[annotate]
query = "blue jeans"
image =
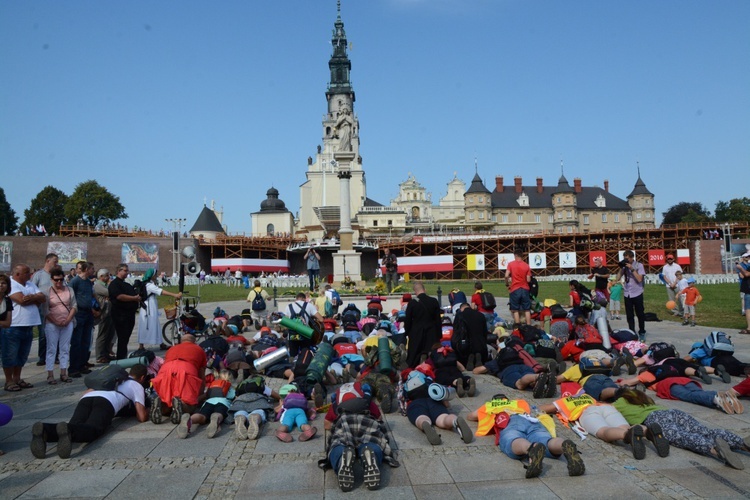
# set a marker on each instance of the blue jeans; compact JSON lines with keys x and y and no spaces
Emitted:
{"x":312,"y":274}
{"x":521,"y":428}
{"x":16,"y":345}
{"x":691,"y":393}
{"x":334,"y":456}
{"x":80,"y":341}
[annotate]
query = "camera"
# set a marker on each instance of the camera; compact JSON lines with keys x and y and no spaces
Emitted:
{"x":623,"y":263}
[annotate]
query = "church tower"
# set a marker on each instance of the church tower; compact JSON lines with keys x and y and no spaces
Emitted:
{"x":320,"y":195}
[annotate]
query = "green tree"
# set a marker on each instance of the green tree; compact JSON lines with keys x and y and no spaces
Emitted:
{"x":94,"y":205}
{"x":686,"y":212}
{"x":8,"y":217}
{"x":47,"y":208}
{"x":736,"y":209}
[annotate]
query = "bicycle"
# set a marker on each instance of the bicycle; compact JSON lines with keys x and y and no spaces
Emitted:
{"x":185,"y":319}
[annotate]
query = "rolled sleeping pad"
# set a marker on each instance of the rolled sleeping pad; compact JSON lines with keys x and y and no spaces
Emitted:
{"x":319,"y":364}
{"x":271,"y":358}
{"x":601,"y":325}
{"x":297,"y":326}
{"x":439,"y":392}
{"x":384,"y":355}
{"x":131,"y":362}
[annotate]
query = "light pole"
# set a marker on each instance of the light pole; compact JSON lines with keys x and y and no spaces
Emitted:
{"x":177,"y":226}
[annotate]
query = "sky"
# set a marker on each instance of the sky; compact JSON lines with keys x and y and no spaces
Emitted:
{"x":173,"y":104}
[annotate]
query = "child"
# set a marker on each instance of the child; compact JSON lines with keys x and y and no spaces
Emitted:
{"x":293,"y":411}
{"x":448,"y":371}
{"x":692,"y":297}
{"x":252,"y":407}
{"x":220,"y":394}
{"x":615,"y":296}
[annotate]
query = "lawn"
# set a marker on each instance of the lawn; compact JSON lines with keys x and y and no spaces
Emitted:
{"x":720,"y":307}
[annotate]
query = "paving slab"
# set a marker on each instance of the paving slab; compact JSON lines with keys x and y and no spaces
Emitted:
{"x":164,"y":483}
{"x":519,"y":488}
{"x":15,"y":484}
{"x":291,"y":479}
{"x":612,"y":485}
{"x":441,"y":491}
{"x":77,"y":484}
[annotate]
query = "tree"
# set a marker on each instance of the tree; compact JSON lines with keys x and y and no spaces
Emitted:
{"x":92,"y":204}
{"x":737,"y":209}
{"x":47,"y":208}
{"x":8,"y":217}
{"x":686,"y":212}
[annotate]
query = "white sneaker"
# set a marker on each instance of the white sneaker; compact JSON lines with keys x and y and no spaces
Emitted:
{"x":240,"y":427}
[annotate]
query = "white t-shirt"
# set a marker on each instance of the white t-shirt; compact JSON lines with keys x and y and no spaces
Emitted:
{"x":669,"y":271}
{"x":296,"y":307}
{"x":27,"y":315}
{"x":130,"y":390}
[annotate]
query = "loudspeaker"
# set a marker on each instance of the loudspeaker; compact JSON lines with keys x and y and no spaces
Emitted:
{"x":188,"y":252}
{"x":175,"y":241}
{"x":192,"y":268}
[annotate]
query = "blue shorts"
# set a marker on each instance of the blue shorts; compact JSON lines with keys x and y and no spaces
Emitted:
{"x":16,"y":345}
{"x":427,"y":407}
{"x":293,"y":416}
{"x":595,"y":384}
{"x":520,"y":300}
{"x":747,"y":301}
{"x":521,"y":428}
{"x":513,"y":374}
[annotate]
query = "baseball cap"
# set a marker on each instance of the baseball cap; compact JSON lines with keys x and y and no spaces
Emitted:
{"x":691,"y":280}
{"x":746,"y":254}
{"x":102,"y":272}
{"x":670,"y":256}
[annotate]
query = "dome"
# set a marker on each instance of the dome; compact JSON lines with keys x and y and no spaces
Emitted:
{"x":272,"y":203}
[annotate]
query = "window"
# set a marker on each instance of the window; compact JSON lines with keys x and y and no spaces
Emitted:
{"x":494,"y":218}
{"x":537,"y":218}
{"x":604,"y":217}
{"x":630,"y":218}
{"x":559,"y":215}
{"x":269,"y":229}
{"x":481,"y":215}
{"x":600,"y":201}
{"x":569,"y":214}
{"x":551,"y":218}
{"x":523,"y":200}
{"x":570,"y":229}
{"x":638,"y":216}
{"x":520,"y":218}
{"x":375,"y":223}
{"x":648,"y":202}
{"x":648,"y":215}
{"x":585,"y":219}
{"x":471,"y":215}
{"x":505,"y":218}
{"x":471,"y":199}
{"x":617,"y":218}
{"x":558,"y":199}
{"x":481,"y":199}
{"x":390,"y":222}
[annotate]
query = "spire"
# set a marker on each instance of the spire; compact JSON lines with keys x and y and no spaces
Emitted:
{"x":640,"y":186}
{"x":476,"y":165}
{"x":563,"y":186}
{"x":339,"y":64}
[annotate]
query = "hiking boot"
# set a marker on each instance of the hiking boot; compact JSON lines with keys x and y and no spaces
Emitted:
{"x":64,"y":441}
{"x":685,"y":323}
{"x":432,"y":436}
{"x":536,"y":457}
{"x":318,"y":395}
{"x":183,"y":429}
{"x":240,"y":427}
{"x":176,"y":416}
{"x":628,"y":358}
{"x":730,"y":458}
{"x":213,"y":425}
{"x":703,"y":374}
{"x":634,"y":437}
{"x":540,"y":386}
{"x":470,"y":363}
{"x":308,"y":434}
{"x":284,"y":436}
{"x":463,"y":430}
{"x":472,"y":387}
{"x":345,"y":474}
{"x":372,"y":471}
{"x":386,"y":404}
{"x":550,"y":388}
{"x":460,"y":391}
{"x":617,"y":365}
{"x":736,"y":405}
{"x":155,"y":411}
{"x":576,"y":466}
{"x":38,"y":440}
{"x":723,"y":403}
{"x":254,"y":422}
{"x":723,"y":373}
{"x":656,"y":436}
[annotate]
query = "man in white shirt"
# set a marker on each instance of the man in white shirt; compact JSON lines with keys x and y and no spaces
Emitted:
{"x":305,"y":311}
{"x":669,"y":271}
{"x":93,"y":416}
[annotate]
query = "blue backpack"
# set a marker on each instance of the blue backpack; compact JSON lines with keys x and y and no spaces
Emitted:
{"x":718,"y":343}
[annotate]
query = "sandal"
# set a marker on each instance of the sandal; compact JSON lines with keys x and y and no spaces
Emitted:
{"x":66,"y":379}
{"x":51,"y":380}
{"x":12,"y":388}
{"x":24,"y":385}
{"x":744,"y":332}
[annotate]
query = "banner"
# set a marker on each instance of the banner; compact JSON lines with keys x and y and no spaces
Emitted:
{"x":429,"y":264}
{"x":475,"y":262}
{"x":568,"y":260}
{"x":656,"y":258}
{"x":140,"y":256}
{"x":683,"y":256}
{"x":621,"y":255}
{"x":68,"y":254}
{"x":598,"y":253}
{"x":6,"y":249}
{"x":538,"y":260}
{"x":251,"y":265}
{"x":503,"y":259}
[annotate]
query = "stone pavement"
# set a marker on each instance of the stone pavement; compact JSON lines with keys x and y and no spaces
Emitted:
{"x":135,"y":460}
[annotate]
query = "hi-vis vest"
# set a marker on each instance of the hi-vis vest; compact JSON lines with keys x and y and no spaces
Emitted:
{"x":570,"y":408}
{"x":486,"y":413}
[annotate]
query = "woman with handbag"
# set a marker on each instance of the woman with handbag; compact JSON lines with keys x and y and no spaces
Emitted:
{"x":59,"y":325}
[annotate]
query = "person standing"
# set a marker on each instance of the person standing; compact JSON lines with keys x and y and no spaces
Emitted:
{"x":634,"y":273}
{"x":43,"y":282}
{"x":600,"y":274}
{"x":16,"y":340}
{"x":80,"y":341}
{"x":476,"y":327}
{"x":148,"y":317}
{"x":312,"y":259}
{"x":743,"y":269}
{"x":422,"y":325}
{"x":258,"y":299}
{"x":669,"y":272}
{"x":106,"y":333}
{"x":125,"y":303}
{"x":517,"y":278}
{"x":390,"y":262}
{"x":58,"y":327}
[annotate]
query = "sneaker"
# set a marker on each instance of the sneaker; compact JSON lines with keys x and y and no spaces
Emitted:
{"x":386,"y":404}
{"x":722,"y":403}
{"x":617,"y":317}
{"x":460,"y":391}
{"x":692,"y":323}
{"x":463,"y":430}
{"x":617,"y":365}
{"x":253,"y":426}
{"x":432,"y":436}
{"x":655,"y":434}
{"x":735,"y":402}
{"x":308,"y":434}
{"x":536,"y":457}
{"x":38,"y":440}
{"x":372,"y":471}
{"x":318,"y":395}
{"x":730,"y":458}
{"x":723,"y":373}
{"x":345,"y":474}
{"x":634,"y":438}
{"x":240,"y":427}
{"x":176,"y":416}
{"x":284,"y":436}
{"x":703,"y":374}
{"x":540,"y":386}
{"x":213,"y":425}
{"x":685,"y":323}
{"x":628,"y":358}
{"x":576,"y":466}
{"x":472,"y":387}
{"x":64,"y":442}
{"x":155,"y":411}
{"x":470,"y":363}
{"x":183,"y":429}
{"x":550,"y":388}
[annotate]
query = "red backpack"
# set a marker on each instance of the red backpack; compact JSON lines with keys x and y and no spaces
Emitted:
{"x":352,"y":397}
{"x":588,"y":334}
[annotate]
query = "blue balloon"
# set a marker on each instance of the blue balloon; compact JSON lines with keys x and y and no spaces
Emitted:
{"x":6,"y":414}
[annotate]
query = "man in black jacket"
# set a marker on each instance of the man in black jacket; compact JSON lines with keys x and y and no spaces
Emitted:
{"x":476,"y":325}
{"x":422,"y":325}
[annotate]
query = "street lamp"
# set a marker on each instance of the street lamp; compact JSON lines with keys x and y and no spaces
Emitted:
{"x":177,"y":226}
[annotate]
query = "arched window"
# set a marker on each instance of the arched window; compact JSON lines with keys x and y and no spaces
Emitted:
{"x":270,"y":229}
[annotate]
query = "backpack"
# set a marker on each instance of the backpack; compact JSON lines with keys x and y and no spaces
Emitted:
{"x":259,"y":303}
{"x":352,"y":397}
{"x":335,"y":298}
{"x":255,"y":384}
{"x":661,"y":351}
{"x":140,"y":289}
{"x":457,"y":297}
{"x":588,"y":334}
{"x":651,"y":317}
{"x":560,"y":330}
{"x":302,"y":362}
{"x":661,"y":372}
{"x":328,"y":309}
{"x":533,"y":287}
{"x":106,"y":378}
{"x":444,"y":357}
{"x":558,"y":311}
{"x":589,"y":366}
{"x":302,"y":314}
{"x":416,"y":385}
{"x":219,"y":388}
{"x":488,"y":301}
{"x":527,"y":333}
{"x":460,"y":339}
{"x":718,"y":343}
